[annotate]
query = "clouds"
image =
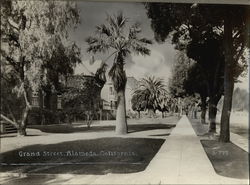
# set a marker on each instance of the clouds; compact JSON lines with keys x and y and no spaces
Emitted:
{"x":86,"y":68}
{"x":136,"y":65}
{"x":94,"y":13}
{"x":153,"y":65}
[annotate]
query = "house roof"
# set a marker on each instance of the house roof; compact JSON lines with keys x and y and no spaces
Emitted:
{"x":90,"y":69}
{"x":77,"y":80}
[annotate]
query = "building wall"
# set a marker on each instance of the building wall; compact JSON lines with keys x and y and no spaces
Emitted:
{"x":132,"y":84}
{"x":108,"y":93}
{"x":46,"y":107}
{"x":128,"y":94}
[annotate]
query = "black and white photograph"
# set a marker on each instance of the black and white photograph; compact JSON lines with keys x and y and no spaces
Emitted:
{"x":124,"y":92}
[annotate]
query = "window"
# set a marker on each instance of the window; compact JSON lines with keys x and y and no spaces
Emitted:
{"x":59,"y":102}
{"x":111,"y":91}
{"x":35,"y":98}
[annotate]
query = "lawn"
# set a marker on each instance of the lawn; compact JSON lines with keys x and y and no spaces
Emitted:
{"x":74,"y":129}
{"x":227,"y":159}
{"x":94,"y":156}
{"x":244,"y":132}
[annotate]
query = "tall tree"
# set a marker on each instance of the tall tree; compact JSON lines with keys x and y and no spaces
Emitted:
{"x":179,"y":74}
{"x":196,"y":82}
{"x":114,"y":36}
{"x":230,"y":21}
{"x":180,"y":70}
{"x":32,"y":32}
{"x":138,"y":104}
{"x":210,"y":71}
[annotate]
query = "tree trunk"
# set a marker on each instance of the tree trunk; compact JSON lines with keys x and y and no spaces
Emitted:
{"x":162,"y":114}
{"x":101,"y":114}
{"x":139,"y":114}
{"x":22,"y":126}
{"x":151,"y":113}
{"x":212,"y":112}
{"x":203,"y":110}
{"x":121,"y":122}
{"x":228,"y":81}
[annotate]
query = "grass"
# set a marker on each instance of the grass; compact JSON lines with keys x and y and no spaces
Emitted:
{"x":244,"y":132}
{"x":138,"y":152}
{"x":227,"y":159}
{"x":72,"y":129}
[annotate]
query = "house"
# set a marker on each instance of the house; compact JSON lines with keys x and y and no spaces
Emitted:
{"x":99,"y":98}
{"x":46,"y":106}
{"x":88,"y":101}
{"x":131,"y":85}
{"x":46,"y":102}
{"x":109,"y":96}
{"x":109,"y":101}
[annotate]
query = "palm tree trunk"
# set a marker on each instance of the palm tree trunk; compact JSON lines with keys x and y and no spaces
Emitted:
{"x":228,"y":81}
{"x":121,"y":122}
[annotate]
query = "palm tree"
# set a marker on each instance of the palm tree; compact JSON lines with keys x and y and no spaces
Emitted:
{"x":151,"y":92}
{"x":164,"y":103}
{"x":113,"y":36}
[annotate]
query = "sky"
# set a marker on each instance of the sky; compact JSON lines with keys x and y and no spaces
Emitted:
{"x":92,"y":14}
{"x":158,"y":64}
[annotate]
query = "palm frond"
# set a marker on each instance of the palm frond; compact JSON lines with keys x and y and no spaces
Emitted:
{"x":134,"y":31}
{"x":97,"y":44}
{"x":117,"y":23}
{"x":151,"y":92}
{"x":121,"y":20}
{"x":104,"y":30}
{"x":140,"y":50}
{"x":111,"y":36}
{"x":145,"y":41}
